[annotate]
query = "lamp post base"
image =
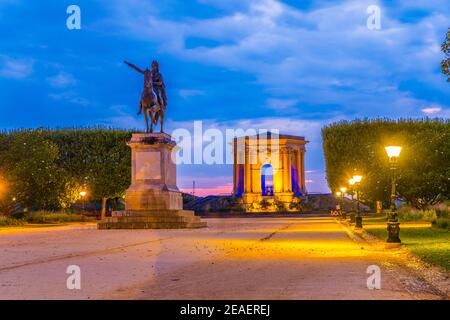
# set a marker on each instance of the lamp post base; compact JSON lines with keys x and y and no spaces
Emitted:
{"x":393,"y":228}
{"x":352,"y":217}
{"x":358,"y":222}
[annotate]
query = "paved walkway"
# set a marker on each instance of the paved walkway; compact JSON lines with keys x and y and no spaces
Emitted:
{"x":236,"y":258}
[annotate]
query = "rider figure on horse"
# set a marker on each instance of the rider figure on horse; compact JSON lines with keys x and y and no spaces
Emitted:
{"x":158,"y":84}
{"x":157,"y":80}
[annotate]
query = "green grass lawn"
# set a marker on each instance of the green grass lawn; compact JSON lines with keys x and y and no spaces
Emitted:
{"x":430,"y":244}
{"x":45,"y":218}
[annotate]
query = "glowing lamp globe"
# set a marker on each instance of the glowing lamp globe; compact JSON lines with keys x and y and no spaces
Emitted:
{"x":351,"y":182}
{"x":338,"y":193}
{"x":357,"y":179}
{"x":83,"y":193}
{"x":343,"y":189}
{"x":393,"y":151}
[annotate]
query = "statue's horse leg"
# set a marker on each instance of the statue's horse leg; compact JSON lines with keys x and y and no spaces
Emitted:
{"x":151,"y":121}
{"x":161,"y":114}
{"x":154,"y":116}
{"x":146,"y":118}
{"x":156,"y":113}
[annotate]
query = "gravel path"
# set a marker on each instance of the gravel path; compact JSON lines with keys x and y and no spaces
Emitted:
{"x":236,"y":258}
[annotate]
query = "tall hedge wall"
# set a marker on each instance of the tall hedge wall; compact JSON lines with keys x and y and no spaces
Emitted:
{"x":423,"y":165}
{"x":46,"y":169}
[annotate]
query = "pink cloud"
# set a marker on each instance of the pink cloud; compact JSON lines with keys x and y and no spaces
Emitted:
{"x":224,"y":189}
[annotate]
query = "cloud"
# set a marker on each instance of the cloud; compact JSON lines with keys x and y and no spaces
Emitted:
{"x":281,"y":104}
{"x":217,"y":185}
{"x":61,"y":80}
{"x":15,"y":68}
{"x":69,"y":96}
{"x":436,"y":111}
{"x":431,"y":110}
{"x":186,"y":93}
{"x":226,"y":189}
{"x":321,"y":56}
{"x":122,"y":117}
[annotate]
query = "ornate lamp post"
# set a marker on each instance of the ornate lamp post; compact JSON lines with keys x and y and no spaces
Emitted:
{"x":338,"y":196}
{"x":358,"y":218}
{"x":343,"y":191}
{"x":83,"y":195}
{"x":393,"y":226}
{"x":351,"y":182}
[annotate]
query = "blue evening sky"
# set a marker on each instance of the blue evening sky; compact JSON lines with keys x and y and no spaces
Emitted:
{"x":290,"y":65}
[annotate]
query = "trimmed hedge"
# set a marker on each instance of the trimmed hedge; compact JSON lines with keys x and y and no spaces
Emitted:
{"x":423,"y":165}
{"x":46,"y":169}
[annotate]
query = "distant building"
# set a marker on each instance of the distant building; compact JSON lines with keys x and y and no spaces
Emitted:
{"x":269,"y":172}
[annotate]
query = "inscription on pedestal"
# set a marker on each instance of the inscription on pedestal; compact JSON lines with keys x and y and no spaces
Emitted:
{"x":148,"y":165}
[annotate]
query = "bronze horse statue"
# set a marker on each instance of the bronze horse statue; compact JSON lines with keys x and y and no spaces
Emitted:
{"x":152,"y":107}
{"x":153,"y":99}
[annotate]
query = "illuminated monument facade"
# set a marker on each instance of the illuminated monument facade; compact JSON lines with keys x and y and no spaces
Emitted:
{"x":269,"y":172}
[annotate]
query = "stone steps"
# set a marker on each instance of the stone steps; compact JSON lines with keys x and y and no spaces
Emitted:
{"x":167,"y":219}
{"x":152,"y":219}
{"x":106,"y":225}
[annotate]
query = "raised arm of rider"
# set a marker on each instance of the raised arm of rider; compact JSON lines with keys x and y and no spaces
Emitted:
{"x":134,"y":67}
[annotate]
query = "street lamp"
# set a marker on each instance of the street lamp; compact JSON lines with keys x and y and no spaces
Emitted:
{"x":339,"y":205}
{"x":393,"y":225}
{"x":358,"y":219}
{"x":343,"y":191}
{"x":351,"y":182}
{"x":338,"y":196}
{"x":83,"y":195}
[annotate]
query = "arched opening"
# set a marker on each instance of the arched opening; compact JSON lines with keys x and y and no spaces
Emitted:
{"x":240,"y":183}
{"x":267,"y":180}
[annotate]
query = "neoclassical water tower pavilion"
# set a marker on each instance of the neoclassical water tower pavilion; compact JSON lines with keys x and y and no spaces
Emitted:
{"x":269,"y":171}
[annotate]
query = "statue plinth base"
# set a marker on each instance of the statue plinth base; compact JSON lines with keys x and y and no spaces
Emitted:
{"x":153,"y":200}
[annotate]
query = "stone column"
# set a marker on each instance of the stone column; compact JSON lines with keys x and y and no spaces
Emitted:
{"x":256,"y":178}
{"x":299,"y":170}
{"x":285,"y":171}
{"x":247,"y":173}
{"x":235,"y":168}
{"x":278,"y":172}
{"x":289,"y":170}
{"x":303,"y":170}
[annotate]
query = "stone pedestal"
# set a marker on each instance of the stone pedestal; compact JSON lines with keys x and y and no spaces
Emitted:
{"x":153,"y":200}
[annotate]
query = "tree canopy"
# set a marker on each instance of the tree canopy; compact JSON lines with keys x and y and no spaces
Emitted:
{"x":46,"y":169}
{"x":423,"y":165}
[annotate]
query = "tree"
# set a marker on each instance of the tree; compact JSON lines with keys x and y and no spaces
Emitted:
{"x":445,"y":63}
{"x":99,"y":159}
{"x":28,"y":165}
{"x":358,"y":146}
{"x":46,"y":169}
